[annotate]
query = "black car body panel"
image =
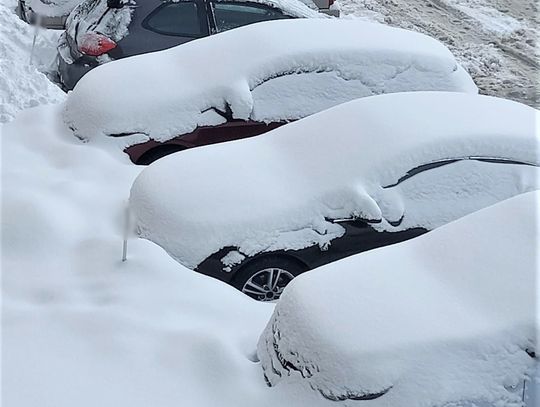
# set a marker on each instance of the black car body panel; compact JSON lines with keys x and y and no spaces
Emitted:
{"x":359,"y":237}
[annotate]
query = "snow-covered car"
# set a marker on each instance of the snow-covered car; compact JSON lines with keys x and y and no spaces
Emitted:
{"x":375,"y":171}
{"x":99,"y":31}
{"x":253,"y":79}
{"x":47,"y":13}
{"x":447,"y":319}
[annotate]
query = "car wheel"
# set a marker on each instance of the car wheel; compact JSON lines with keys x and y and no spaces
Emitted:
{"x":158,"y":152}
{"x":265,"y":279}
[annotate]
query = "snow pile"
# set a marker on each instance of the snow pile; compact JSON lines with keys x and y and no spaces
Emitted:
{"x":22,"y":85}
{"x":444,"y":318}
{"x":325,"y":62}
{"x":81,"y":328}
{"x":278,"y":190}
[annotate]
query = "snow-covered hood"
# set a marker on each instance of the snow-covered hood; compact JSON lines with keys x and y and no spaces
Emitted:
{"x":254,"y":193}
{"x":175,"y":93}
{"x":444,"y":318}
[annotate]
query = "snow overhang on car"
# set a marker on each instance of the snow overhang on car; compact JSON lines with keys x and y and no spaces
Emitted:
{"x":339,"y":59}
{"x":335,"y":165}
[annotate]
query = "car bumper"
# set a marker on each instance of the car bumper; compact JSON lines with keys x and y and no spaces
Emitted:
{"x":69,"y":71}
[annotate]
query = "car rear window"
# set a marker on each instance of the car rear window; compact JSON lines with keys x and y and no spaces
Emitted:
{"x":180,"y":19}
{"x":231,"y":15}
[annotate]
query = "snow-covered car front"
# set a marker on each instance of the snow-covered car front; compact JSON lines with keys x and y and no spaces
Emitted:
{"x":383,"y":165}
{"x":446,"y":319}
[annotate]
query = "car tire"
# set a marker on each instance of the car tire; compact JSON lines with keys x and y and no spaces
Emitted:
{"x":158,"y":152}
{"x":265,"y":278}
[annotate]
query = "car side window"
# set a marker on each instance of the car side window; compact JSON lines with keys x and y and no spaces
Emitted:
{"x":180,"y":19}
{"x":230,"y":15}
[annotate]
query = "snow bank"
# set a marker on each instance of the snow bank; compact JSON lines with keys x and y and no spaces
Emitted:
{"x":277,"y":190}
{"x":249,"y":71}
{"x":81,"y":328}
{"x":443,"y":318}
{"x":22,"y":85}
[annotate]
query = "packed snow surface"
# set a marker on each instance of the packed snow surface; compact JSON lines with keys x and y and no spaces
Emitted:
{"x":443,"y":318}
{"x":80,"y":327}
{"x":496,"y":41}
{"x":276,"y":191}
{"x":250,"y":71}
{"x":22,"y":83}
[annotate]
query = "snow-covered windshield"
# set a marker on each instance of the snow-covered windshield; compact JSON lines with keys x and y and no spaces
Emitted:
{"x":456,"y":305}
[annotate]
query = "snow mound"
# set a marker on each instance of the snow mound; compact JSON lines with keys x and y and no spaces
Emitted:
{"x":22,"y":85}
{"x":278,"y":190}
{"x":444,"y":318}
{"x":249,"y":72}
{"x":82,"y":328}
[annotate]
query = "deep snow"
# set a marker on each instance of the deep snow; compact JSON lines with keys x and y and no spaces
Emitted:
{"x":326,"y":62}
{"x":278,"y":190}
{"x":81,"y":328}
{"x":446,"y":317}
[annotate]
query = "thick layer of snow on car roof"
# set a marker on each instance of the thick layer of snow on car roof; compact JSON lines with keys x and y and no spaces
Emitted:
{"x":446,"y":317}
{"x":324,"y":61}
{"x":277,"y":190}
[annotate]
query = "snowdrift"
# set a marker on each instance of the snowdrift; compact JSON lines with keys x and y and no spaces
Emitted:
{"x":450,"y":316}
{"x":278,"y":190}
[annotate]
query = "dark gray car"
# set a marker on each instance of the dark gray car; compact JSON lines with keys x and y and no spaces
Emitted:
{"x":99,"y":31}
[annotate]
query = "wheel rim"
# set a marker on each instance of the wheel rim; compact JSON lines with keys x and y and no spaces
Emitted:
{"x":267,"y":284}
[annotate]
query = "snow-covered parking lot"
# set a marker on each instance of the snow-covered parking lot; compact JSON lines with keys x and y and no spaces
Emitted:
{"x":92,"y":315}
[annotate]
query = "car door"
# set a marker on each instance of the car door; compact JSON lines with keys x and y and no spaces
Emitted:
{"x":226,"y":15}
{"x":158,"y":25}
{"x":361,"y":235}
{"x":233,"y":129}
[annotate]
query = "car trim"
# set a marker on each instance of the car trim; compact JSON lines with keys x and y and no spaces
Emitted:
{"x":440,"y":163}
